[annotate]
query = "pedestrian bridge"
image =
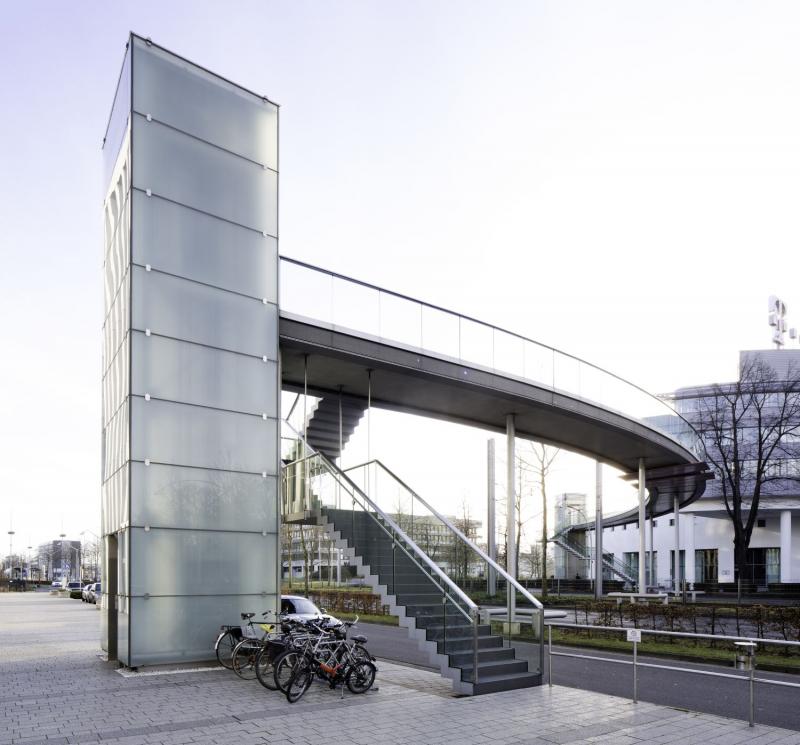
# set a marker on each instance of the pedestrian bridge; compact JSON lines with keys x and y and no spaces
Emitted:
{"x":343,"y":338}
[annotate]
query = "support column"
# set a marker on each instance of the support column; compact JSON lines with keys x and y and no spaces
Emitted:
{"x":511,"y":520}
{"x":642,"y":528}
{"x":676,"y":566}
{"x":598,"y":530}
{"x":786,"y":546}
{"x":690,"y":576}
{"x":651,"y":575}
{"x":491,"y":576}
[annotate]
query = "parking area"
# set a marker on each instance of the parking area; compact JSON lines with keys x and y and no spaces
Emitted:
{"x":54,"y":688}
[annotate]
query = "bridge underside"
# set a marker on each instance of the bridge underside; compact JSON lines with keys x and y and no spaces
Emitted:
{"x":408,"y":381}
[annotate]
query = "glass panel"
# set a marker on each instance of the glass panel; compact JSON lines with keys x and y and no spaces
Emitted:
{"x":116,"y":323}
{"x":593,"y":383}
{"x":355,"y":307}
{"x":114,"y":495}
{"x":186,"y":627}
{"x":440,"y":332}
{"x":180,"y":434}
{"x":169,"y":496}
{"x":202,"y":176}
{"x":400,"y":320}
{"x":115,"y":382}
{"x":194,"y":245}
{"x":190,"y":373}
{"x":538,"y":364}
{"x":123,"y":564}
{"x":118,"y":120}
{"x":180,"y":308}
{"x":566,"y":374}
{"x":123,"y":624}
{"x":509,"y":353}
{"x":202,"y":562}
{"x":476,"y":343}
{"x":196,"y":101}
{"x":115,"y":443}
{"x":118,"y":255}
{"x":306,"y":292}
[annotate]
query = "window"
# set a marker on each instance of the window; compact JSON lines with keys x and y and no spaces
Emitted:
{"x":671,"y":522}
{"x":705,"y":565}
{"x":655,"y":523}
{"x":681,"y":568}
{"x":761,"y":523}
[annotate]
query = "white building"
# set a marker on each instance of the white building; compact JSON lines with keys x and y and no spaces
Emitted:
{"x":705,"y":529}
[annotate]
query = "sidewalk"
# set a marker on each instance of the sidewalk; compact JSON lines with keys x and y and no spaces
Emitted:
{"x":54,"y":689}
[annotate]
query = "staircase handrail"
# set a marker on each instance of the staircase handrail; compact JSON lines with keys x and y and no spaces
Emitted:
{"x":536,"y":603}
{"x":336,"y":471}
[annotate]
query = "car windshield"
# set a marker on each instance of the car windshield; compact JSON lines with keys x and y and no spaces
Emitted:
{"x":301,"y":605}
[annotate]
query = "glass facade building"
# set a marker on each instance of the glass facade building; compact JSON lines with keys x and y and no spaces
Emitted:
{"x":190,"y":419}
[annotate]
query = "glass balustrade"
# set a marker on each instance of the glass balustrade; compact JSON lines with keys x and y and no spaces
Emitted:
{"x":353,"y":306}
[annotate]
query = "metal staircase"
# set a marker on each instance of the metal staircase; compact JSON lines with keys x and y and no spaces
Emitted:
{"x":621,"y":569}
{"x":420,"y":590}
{"x":331,"y":423}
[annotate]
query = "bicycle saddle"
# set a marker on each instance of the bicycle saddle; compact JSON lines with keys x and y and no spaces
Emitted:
{"x":245,"y":616}
{"x":360,"y":638}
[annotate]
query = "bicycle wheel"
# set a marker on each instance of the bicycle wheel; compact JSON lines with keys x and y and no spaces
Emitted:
{"x":265,"y":668}
{"x":300,"y":680}
{"x":244,"y":658}
{"x":225,"y":647}
{"x":360,"y":677}
{"x":284,"y":666}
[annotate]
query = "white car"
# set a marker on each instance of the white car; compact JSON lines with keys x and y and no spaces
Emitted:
{"x":298,"y":608}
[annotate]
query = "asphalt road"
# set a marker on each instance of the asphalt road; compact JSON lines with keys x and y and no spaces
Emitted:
{"x":774,"y":705}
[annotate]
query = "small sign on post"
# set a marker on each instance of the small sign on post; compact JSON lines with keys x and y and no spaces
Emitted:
{"x":634,"y":635}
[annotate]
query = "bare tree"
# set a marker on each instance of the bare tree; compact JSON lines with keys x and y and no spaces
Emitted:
{"x":540,"y":463}
{"x":745,"y":430}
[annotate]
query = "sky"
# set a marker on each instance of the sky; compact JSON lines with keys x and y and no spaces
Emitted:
{"x":618,"y":180}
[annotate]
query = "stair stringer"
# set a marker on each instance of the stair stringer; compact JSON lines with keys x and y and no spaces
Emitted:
{"x":436,"y":658}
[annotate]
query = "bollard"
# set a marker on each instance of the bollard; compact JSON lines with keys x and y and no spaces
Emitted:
{"x":746,"y":660}
{"x":550,"y":655}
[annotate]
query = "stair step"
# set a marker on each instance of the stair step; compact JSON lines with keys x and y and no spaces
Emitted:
{"x":492,"y":669}
{"x":460,"y":659}
{"x":510,"y":682}
{"x":464,"y":644}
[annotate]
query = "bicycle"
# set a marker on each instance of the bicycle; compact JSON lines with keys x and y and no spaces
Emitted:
{"x":230,"y":636}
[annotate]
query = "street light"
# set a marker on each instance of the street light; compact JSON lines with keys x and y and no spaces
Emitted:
{"x":10,"y":555}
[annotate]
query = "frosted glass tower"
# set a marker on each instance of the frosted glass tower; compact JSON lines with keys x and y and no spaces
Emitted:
{"x":190,"y":428}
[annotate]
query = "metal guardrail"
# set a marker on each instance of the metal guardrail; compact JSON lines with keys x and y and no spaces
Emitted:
{"x":747,"y":644}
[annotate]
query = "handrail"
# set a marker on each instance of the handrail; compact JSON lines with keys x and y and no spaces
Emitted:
{"x":337,"y":472}
{"x":536,"y":603}
{"x":362,"y":283}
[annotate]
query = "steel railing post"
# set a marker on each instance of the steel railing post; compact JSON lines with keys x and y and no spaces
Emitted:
{"x":475,"y":620}
{"x":752,"y":689}
{"x":550,"y":655}
{"x":635,"y":677}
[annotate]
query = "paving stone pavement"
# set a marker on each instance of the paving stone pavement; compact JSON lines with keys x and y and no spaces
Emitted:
{"x":55,"y":689}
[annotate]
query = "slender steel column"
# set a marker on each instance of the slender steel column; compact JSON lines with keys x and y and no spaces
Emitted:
{"x":676,"y":567}
{"x":786,"y":546}
{"x":642,"y":528}
{"x":598,"y":530}
{"x":511,"y":520}
{"x":652,"y":573}
{"x":491,"y":576}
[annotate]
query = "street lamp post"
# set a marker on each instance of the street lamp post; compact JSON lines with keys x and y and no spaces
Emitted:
{"x":10,"y":555}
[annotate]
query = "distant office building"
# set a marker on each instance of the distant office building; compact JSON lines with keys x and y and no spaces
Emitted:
{"x":57,"y":560}
{"x":706,"y":532}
